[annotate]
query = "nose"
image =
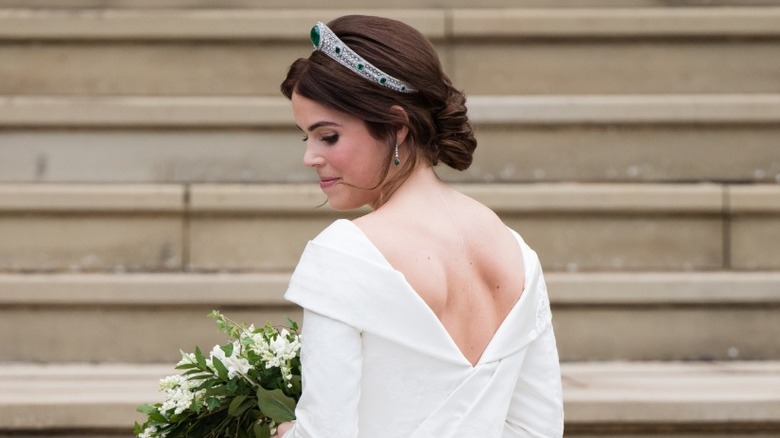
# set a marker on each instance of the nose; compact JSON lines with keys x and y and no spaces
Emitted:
{"x":311,"y":158}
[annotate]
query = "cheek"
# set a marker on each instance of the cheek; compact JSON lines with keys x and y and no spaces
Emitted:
{"x":366,"y":157}
{"x":375,"y":153}
{"x":339,"y":158}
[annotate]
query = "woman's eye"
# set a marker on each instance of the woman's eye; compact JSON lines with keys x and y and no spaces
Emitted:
{"x":330,"y":139}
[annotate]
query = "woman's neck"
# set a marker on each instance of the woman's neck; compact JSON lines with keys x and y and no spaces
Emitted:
{"x":422,"y":185}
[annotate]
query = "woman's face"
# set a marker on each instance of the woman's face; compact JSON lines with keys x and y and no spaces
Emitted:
{"x":340,"y":148}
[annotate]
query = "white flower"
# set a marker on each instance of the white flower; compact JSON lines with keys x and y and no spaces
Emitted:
{"x":278,"y":351}
{"x":150,"y":432}
{"x":179,"y":394}
{"x":257,"y":342}
{"x":249,"y":332}
{"x":235,"y":364}
{"x":187,"y":358}
{"x":284,"y":349}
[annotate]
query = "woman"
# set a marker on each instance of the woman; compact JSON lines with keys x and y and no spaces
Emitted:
{"x":426,"y":317}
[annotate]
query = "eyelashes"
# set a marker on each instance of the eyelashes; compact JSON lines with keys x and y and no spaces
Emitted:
{"x":328,"y":139}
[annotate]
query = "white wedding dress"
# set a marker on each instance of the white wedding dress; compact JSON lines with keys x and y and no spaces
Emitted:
{"x":378,"y":363}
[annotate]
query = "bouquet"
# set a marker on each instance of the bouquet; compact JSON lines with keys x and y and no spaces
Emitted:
{"x":244,"y":388}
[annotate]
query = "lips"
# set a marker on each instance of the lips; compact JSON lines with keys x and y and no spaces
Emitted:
{"x":328,"y":182}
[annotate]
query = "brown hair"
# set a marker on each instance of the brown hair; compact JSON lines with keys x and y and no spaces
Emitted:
{"x":439,"y":129}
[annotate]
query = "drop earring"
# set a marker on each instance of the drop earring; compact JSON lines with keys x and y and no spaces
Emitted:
{"x":396,"y":159}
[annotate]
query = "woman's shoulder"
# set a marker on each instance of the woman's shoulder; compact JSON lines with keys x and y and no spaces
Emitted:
{"x":343,"y":236}
{"x":340,"y":274}
{"x":335,"y":233}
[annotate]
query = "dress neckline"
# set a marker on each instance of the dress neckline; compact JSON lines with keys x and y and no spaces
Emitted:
{"x":527,"y":267}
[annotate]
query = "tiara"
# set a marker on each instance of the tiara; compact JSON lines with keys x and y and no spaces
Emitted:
{"x":328,"y":43}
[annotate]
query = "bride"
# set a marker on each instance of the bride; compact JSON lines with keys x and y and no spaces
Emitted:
{"x":427,"y":317}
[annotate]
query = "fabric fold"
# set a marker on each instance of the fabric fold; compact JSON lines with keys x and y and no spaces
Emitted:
{"x":411,"y":365}
{"x":352,"y":290}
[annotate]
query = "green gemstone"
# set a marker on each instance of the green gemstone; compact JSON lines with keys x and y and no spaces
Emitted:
{"x":397,"y":162}
{"x":360,"y":66}
{"x":315,"y":36}
{"x":337,"y":49}
{"x":383,"y":80}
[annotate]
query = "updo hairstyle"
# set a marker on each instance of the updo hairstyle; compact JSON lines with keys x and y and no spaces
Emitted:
{"x":439,"y":129}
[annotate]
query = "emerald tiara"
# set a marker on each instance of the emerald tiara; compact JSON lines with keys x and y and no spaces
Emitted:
{"x":328,"y":43}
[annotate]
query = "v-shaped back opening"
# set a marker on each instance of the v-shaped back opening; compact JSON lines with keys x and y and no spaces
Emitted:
{"x":381,"y":258}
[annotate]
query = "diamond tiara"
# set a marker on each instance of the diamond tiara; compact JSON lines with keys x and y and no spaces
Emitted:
{"x":328,"y":43}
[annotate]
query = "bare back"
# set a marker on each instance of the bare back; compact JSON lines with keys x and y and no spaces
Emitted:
{"x":458,"y":256}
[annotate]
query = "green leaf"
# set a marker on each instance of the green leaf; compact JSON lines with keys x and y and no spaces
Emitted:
{"x":225,"y":325}
{"x":220,"y":367}
{"x":187,"y":366}
{"x":147,"y":408}
{"x":217,"y":391}
{"x":228,"y":349}
{"x":248,"y":404}
{"x":200,"y":358}
{"x":232,"y":385}
{"x":208,"y":383}
{"x":198,"y":375}
{"x":296,"y":384}
{"x":276,"y":405}
{"x":235,"y":404}
{"x":197,"y":406}
{"x":262,"y":430}
{"x":213,"y":403}
{"x":157,"y":418}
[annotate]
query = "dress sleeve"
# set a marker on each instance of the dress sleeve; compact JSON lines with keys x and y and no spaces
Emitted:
{"x":331,"y":366}
{"x":536,"y":410}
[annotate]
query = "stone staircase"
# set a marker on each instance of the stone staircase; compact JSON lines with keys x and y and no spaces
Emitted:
{"x":150,"y":172}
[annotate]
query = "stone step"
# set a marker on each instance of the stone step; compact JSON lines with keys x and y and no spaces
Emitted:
{"x":485,"y":51}
{"x":435,"y":23}
{"x":371,"y":4}
{"x":669,"y":138}
{"x":148,"y":318}
{"x":263,"y":228}
{"x":641,"y":399}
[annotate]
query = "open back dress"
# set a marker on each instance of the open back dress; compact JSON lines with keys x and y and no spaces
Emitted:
{"x":378,"y":363}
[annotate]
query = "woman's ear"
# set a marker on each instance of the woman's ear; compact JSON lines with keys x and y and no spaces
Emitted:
{"x":403,"y":130}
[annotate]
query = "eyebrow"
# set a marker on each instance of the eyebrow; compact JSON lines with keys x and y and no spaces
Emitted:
{"x":319,"y":125}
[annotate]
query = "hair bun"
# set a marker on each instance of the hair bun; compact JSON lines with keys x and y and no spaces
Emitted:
{"x":455,"y":138}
